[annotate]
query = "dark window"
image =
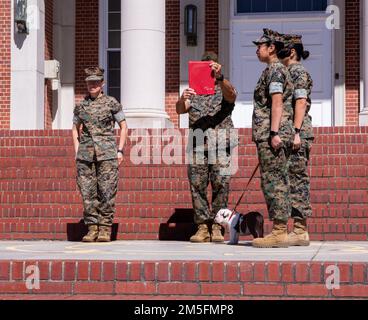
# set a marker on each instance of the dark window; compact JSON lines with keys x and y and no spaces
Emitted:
{"x":113,"y":61}
{"x":259,"y":6}
{"x":114,"y":24}
{"x":114,"y":49}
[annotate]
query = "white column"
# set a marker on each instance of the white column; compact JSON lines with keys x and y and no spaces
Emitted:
{"x":27,"y":70}
{"x":64,"y":52}
{"x":143,"y":63}
{"x":363,"y":116}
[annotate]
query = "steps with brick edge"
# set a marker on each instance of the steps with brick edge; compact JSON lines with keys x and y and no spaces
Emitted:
{"x":166,"y":270}
{"x":39,"y":197}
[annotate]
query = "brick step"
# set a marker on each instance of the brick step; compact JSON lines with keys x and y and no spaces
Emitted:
{"x":140,"y":229}
{"x":166,"y":197}
{"x":51,"y":152}
{"x":66,"y":134}
{"x":147,"y":184}
{"x":320,"y":211}
{"x":166,"y":280}
{"x":173,"y":172}
{"x":244,"y":161}
{"x":171,"y":218}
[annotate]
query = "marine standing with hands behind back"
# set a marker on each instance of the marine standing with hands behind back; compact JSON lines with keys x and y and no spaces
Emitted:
{"x":97,"y":156}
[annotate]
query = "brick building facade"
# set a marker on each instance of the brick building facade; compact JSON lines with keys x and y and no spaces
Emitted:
{"x":90,"y":28}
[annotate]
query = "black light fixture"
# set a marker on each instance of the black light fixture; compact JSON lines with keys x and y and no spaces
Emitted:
{"x":20,"y":16}
{"x":190,"y":24}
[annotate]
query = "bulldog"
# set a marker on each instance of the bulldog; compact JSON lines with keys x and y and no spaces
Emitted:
{"x":238,"y":224}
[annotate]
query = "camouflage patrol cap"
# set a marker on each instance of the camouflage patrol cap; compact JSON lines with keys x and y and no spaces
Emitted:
{"x":291,"y":39}
{"x":269,"y":36}
{"x":94,"y":74}
{"x":210,"y":56}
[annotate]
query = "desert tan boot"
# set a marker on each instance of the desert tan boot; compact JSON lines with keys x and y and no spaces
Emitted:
{"x":278,"y":238}
{"x":299,"y":236}
{"x":202,"y":234}
{"x":104,"y":234}
{"x":92,"y":234}
{"x":216,"y":235}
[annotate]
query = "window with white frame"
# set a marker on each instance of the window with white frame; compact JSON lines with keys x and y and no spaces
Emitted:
{"x":274,"y":6}
{"x":113,"y":49}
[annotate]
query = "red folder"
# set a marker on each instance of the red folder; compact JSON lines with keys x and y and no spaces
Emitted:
{"x":200,"y":77}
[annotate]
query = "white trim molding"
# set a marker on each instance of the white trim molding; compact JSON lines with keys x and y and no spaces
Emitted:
{"x":339,"y":118}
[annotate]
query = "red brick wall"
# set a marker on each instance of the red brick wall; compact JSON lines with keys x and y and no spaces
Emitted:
{"x":5,"y":34}
{"x":184,"y":280}
{"x":87,"y":42}
{"x":172,"y":58}
{"x":352,"y":53}
{"x":49,"y":7}
{"x":212,"y":25}
{"x":39,"y":196}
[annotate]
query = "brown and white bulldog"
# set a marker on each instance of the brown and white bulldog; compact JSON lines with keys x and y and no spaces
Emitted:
{"x":238,"y":224}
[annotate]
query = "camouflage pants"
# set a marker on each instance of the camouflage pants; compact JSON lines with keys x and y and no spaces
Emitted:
{"x":200,"y":175}
{"x":275,"y":180}
{"x":98,"y":184}
{"x":300,"y":182}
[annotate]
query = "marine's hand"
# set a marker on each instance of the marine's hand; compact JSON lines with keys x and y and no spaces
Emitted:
{"x":297,"y":142}
{"x":120,"y":159}
{"x":187,"y":94}
{"x":276,"y":142}
{"x":216,"y":68}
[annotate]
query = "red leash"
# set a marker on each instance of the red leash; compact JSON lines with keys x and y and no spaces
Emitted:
{"x":246,"y":189}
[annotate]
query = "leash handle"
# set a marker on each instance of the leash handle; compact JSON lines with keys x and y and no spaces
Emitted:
{"x":246,"y":188}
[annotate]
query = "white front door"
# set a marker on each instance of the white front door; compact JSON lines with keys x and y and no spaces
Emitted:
{"x":246,"y":69}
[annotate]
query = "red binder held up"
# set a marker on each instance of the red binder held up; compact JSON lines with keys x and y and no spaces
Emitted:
{"x":200,"y":77}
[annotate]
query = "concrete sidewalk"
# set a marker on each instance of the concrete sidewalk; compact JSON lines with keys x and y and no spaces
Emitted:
{"x":180,"y":251}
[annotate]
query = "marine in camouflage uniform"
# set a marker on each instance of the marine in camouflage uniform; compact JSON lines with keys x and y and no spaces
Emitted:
{"x":211,"y":140}
{"x":97,"y":165}
{"x":299,"y":178}
{"x":274,"y":169}
{"x":210,"y":114}
{"x":298,"y":163}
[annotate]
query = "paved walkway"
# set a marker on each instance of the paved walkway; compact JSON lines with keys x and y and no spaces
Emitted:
{"x":180,"y":251}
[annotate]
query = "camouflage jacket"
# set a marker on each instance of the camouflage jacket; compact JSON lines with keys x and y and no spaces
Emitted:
{"x":211,"y":114}
{"x":274,"y":79}
{"x":303,"y":84}
{"x":98,"y":116}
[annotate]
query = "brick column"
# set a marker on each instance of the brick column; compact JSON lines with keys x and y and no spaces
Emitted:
{"x":352,"y":53}
{"x":212,"y":25}
{"x":172,"y":58}
{"x":363,"y":117}
{"x":5,"y":58}
{"x":87,"y":43}
{"x":49,"y":55}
